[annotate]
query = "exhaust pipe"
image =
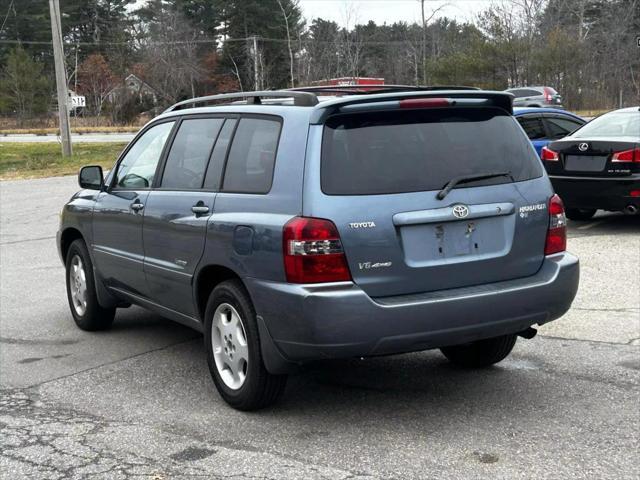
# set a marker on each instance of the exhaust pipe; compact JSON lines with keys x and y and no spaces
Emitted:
{"x":631,"y":209}
{"x":529,"y":333}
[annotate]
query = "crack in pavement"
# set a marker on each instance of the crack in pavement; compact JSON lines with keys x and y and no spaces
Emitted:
{"x":585,"y":340}
{"x":13,"y":242}
{"x":621,"y":309}
{"x":38,"y":440}
{"x":153,"y":350}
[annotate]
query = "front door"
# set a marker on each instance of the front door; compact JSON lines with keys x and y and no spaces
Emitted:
{"x":118,"y":213}
{"x":176,"y":215}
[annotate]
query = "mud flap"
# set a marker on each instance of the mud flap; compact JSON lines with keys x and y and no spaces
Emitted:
{"x":274,"y":361}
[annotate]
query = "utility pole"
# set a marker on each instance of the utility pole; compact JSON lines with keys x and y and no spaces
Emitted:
{"x":424,"y":45}
{"x":61,"y":77}
{"x":255,"y":63}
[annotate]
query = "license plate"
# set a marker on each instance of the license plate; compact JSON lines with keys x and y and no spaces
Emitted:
{"x":584,"y":163}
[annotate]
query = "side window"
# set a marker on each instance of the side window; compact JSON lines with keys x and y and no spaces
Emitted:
{"x":531,"y":93}
{"x":214,"y":172}
{"x":137,"y":168}
{"x":517,"y":92}
{"x":252,"y":156}
{"x":189,"y":154}
{"x":533,"y":127}
{"x":560,"y":127}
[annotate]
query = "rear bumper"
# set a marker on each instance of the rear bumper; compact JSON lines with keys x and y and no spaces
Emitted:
{"x":606,"y":194}
{"x":310,"y":322}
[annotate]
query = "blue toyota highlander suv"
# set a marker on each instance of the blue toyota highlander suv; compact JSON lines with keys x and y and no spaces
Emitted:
{"x":297,"y":225}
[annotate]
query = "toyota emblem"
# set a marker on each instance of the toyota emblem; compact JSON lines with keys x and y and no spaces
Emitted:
{"x":460,"y":211}
{"x":583,"y":147}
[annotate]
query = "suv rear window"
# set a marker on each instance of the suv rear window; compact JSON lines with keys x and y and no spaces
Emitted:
{"x":408,"y":151}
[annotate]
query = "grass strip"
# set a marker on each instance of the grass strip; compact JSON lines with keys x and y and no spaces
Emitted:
{"x":36,"y":160}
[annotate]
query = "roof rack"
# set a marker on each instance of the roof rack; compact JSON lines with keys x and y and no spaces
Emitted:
{"x":373,"y":89}
{"x":300,"y":98}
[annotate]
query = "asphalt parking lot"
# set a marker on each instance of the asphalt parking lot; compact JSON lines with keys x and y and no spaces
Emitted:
{"x":137,"y":401}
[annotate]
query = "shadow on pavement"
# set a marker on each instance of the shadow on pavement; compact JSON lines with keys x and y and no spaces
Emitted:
{"x":606,"y":223}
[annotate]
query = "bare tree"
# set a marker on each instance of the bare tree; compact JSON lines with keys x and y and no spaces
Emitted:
{"x":172,"y":63}
{"x":286,"y":16}
{"x":351,"y":41}
{"x":425,"y":22}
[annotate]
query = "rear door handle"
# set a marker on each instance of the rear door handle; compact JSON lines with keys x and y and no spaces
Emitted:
{"x":200,"y":208}
{"x":137,"y":206}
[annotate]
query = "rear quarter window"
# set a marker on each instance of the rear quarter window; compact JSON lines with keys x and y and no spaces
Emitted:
{"x":532,"y":126}
{"x":252,"y":156}
{"x":421,"y":150}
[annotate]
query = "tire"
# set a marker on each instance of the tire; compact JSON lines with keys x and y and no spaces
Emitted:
{"x":482,"y":353}
{"x":81,"y":291}
{"x":580,"y":213}
{"x":232,"y":343}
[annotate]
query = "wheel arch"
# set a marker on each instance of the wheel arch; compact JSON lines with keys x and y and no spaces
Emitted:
{"x":67,"y":237}
{"x":206,"y":280}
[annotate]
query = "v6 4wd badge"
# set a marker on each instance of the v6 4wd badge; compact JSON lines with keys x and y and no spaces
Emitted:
{"x":370,"y":265}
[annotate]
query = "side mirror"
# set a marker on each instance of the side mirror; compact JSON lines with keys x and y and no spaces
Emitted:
{"x":91,"y":177}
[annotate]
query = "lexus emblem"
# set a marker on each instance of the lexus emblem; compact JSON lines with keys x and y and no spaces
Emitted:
{"x":583,"y":147}
{"x":460,"y":211}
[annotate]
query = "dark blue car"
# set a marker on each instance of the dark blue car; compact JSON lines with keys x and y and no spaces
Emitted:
{"x":544,"y":125}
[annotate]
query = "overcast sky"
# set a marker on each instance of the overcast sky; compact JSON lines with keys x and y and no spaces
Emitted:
{"x":388,"y":11}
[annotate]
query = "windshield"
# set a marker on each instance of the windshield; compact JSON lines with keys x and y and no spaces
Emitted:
{"x":421,"y":150}
{"x":614,"y":124}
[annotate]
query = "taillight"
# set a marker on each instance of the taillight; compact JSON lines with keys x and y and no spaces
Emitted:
{"x":313,"y":252}
{"x":557,"y":232}
{"x":632,"y":155}
{"x":548,"y":155}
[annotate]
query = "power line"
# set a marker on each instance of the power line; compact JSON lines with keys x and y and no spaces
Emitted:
{"x":208,"y":40}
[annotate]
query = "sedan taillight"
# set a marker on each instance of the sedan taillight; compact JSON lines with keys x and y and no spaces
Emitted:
{"x":632,"y":155}
{"x":549,"y":155}
{"x":557,"y":232}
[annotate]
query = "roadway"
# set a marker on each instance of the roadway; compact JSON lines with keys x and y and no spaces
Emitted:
{"x":137,"y":401}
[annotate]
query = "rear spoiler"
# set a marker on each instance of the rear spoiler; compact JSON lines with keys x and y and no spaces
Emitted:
{"x":398,"y":100}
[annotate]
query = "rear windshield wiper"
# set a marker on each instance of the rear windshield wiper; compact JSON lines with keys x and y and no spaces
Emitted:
{"x":469,"y":178}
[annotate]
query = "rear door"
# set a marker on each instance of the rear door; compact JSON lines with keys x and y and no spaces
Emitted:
{"x":176,"y":214}
{"x":533,"y":126}
{"x":559,"y":126}
{"x":378,"y":177}
{"x":532,"y":97}
{"x":519,"y":96}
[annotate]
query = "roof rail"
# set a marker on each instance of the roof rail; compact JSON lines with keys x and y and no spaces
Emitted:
{"x":300,"y":99}
{"x":372,"y":89}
